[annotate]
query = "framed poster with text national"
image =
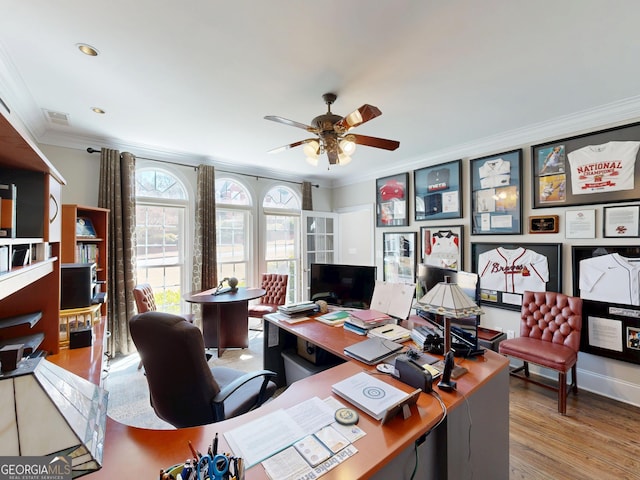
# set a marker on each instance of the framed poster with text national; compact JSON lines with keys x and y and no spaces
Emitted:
{"x":598,"y":167}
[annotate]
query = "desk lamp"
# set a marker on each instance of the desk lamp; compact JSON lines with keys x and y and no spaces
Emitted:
{"x":449,"y":301}
{"x":48,"y":411}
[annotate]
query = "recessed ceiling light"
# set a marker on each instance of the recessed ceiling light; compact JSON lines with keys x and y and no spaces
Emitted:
{"x":87,"y":49}
{"x":98,"y":110}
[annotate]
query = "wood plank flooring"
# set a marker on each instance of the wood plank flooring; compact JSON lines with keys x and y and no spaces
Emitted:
{"x":599,"y":438}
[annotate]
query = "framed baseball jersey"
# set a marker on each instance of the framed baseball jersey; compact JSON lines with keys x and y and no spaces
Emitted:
{"x":506,"y":271}
{"x":437,"y":191}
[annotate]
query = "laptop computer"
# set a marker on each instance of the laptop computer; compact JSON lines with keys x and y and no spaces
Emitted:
{"x":372,"y":350}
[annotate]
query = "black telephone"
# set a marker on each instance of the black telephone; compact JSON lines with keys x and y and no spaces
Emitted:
{"x":446,"y":383}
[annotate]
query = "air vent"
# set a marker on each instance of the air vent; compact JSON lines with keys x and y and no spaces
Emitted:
{"x":58,"y":118}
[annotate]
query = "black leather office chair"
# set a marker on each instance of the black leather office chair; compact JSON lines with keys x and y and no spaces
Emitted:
{"x":184,"y":390}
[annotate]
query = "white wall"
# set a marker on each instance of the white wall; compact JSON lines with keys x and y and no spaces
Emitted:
{"x":612,"y":378}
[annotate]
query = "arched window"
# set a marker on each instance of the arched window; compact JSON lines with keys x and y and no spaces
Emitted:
{"x":281,"y":207}
{"x":161,"y":236}
{"x":233,"y":229}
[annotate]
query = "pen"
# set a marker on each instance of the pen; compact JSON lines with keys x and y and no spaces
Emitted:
{"x":215,"y":444}
{"x":195,"y":454}
{"x":387,"y":331}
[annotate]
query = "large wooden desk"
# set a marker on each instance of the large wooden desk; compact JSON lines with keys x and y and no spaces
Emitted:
{"x":386,"y":452}
{"x":225,"y":321}
{"x":473,"y":441}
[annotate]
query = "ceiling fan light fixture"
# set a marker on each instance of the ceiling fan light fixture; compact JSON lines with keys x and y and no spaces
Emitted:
{"x":348,"y":144}
{"x":343,"y":159}
{"x":312,"y":150}
{"x":312,"y":161}
{"x":353,"y":119}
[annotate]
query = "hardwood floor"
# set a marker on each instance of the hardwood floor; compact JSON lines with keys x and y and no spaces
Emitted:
{"x":599,"y":438}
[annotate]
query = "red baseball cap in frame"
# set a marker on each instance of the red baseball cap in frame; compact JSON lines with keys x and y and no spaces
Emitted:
{"x":392,"y":189}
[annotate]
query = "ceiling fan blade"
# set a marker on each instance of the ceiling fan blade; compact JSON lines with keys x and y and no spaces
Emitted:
{"x":363,"y":114}
{"x":293,"y":123}
{"x":375,"y":142}
{"x":291,"y":145}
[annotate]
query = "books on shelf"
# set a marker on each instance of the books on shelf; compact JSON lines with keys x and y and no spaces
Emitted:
{"x":392,"y":332}
{"x":372,"y":395}
{"x":8,"y":193}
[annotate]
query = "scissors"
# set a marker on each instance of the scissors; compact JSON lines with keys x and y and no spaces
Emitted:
{"x":215,"y":468}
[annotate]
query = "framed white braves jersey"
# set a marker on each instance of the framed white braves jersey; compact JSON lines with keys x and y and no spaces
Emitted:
{"x":506,"y":271}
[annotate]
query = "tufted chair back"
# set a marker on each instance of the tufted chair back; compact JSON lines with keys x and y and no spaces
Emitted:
{"x":276,"y":286}
{"x":143,"y":295}
{"x":550,"y":337}
{"x":552,"y":317}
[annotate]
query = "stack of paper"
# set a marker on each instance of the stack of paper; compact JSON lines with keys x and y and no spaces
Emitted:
{"x":395,"y":333}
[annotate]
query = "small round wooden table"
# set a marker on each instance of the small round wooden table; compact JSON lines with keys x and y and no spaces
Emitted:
{"x":225,"y":319}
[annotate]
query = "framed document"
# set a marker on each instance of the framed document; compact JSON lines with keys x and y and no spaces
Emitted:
{"x":622,"y":222}
{"x":580,"y":224}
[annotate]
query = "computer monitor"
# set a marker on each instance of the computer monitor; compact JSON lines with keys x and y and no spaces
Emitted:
{"x":464,"y":330}
{"x":348,"y":286}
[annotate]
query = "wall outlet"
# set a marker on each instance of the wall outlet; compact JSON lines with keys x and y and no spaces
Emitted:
{"x":511,"y":334}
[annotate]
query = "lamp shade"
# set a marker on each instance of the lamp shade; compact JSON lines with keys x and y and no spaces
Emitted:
{"x":50,"y":411}
{"x":449,"y":300}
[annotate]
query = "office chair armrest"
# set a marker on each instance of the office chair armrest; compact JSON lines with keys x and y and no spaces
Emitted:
{"x":228,"y":390}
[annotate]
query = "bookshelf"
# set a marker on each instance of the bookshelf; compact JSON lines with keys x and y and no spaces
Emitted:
{"x":79,"y":245}
{"x":30,"y":292}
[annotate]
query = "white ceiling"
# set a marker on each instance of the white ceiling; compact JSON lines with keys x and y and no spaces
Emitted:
{"x":192,"y":80}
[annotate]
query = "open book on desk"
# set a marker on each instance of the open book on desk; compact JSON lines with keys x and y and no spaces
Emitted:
{"x":394,"y":299}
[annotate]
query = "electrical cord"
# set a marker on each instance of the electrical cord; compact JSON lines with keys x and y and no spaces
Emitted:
{"x":421,"y":440}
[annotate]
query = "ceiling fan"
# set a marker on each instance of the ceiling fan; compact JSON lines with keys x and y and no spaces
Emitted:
{"x":333,"y":137}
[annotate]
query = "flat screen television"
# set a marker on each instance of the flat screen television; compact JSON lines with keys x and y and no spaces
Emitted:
{"x":463,"y":330}
{"x":348,"y":286}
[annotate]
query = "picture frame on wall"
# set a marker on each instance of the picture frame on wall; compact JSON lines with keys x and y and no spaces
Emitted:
{"x":442,"y":246}
{"x":392,"y":201}
{"x":399,"y":257}
{"x":437,"y":191}
{"x":507,"y":270}
{"x":593,"y":168}
{"x":610,"y":304}
{"x":580,"y":223}
{"x":496,"y":186}
{"x":621,"y":222}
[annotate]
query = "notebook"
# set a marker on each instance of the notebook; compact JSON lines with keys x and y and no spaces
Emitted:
{"x":372,"y":350}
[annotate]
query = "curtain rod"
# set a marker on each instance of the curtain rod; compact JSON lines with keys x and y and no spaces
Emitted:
{"x":93,"y":150}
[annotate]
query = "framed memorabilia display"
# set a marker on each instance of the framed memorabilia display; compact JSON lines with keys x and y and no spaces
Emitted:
{"x":392,"y":201}
{"x":543,"y":224}
{"x":610,"y":300}
{"x":437,"y":191}
{"x":496,"y":183}
{"x":442,"y":246}
{"x":507,"y":270}
{"x":399,"y":257}
{"x":580,"y":223}
{"x":598,"y":167}
{"x":621,"y":222}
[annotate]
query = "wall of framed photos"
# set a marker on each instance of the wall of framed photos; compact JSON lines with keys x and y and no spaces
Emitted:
{"x":555,"y":225}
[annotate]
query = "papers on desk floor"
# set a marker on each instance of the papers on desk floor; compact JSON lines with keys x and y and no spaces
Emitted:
{"x":264,"y":437}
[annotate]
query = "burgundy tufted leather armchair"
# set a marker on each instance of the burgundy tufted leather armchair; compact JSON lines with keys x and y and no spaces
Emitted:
{"x":550,"y":337}
{"x":276,"y":286}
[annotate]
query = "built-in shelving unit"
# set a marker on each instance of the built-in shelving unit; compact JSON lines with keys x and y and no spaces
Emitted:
{"x":76,"y":248}
{"x":34,"y":285}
